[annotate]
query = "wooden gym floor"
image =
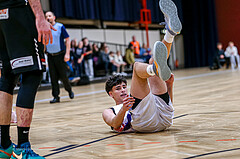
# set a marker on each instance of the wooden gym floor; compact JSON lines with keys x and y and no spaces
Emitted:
{"x":206,"y":123}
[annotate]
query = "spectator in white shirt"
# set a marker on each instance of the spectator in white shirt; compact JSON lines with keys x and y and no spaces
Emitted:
{"x":119,"y":61}
{"x":232,"y":52}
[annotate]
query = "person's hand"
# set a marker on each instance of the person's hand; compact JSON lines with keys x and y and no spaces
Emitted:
{"x":151,"y":61}
{"x":170,"y":81}
{"x":66,"y":57}
{"x":128,"y":103}
{"x":79,"y":60}
{"x":44,"y":31}
{"x":222,"y":56}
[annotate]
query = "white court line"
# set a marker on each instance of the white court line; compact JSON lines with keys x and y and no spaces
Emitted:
{"x":182,"y":153}
{"x":63,"y":97}
{"x":177,"y":79}
{"x":77,"y":95}
{"x":203,"y":75}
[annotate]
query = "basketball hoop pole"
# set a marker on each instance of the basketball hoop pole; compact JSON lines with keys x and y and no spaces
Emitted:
{"x":145,"y":15}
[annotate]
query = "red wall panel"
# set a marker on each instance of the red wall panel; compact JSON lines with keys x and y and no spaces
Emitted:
{"x":228,"y":21}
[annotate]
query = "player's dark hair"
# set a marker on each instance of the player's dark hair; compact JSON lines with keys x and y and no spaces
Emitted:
{"x":84,"y":38}
{"x":113,"y":81}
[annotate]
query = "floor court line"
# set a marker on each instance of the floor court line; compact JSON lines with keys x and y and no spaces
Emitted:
{"x":81,"y":145}
{"x":70,"y":147}
{"x":211,"y":153}
{"x":66,"y":148}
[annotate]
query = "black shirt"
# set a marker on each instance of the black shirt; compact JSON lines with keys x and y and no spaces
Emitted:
{"x":12,"y":3}
{"x":78,"y":52}
{"x":86,"y":49}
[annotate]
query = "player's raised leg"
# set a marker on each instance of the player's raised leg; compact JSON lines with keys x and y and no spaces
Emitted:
{"x":139,"y":86}
{"x":173,"y":26}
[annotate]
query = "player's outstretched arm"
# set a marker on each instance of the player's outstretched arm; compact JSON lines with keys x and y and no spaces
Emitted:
{"x":116,"y":121}
{"x":43,"y":27}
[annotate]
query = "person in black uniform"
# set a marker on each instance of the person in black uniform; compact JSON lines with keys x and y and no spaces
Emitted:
{"x":23,"y":31}
{"x":221,"y":54}
{"x":58,"y":55}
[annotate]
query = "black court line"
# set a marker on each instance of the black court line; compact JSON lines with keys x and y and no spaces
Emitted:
{"x":65,"y":147}
{"x":215,"y":112}
{"x":70,"y":147}
{"x":180,"y":116}
{"x":76,"y":146}
{"x":183,"y":115}
{"x":210,"y":153}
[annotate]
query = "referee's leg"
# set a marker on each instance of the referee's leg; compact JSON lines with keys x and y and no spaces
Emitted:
{"x":62,"y":71}
{"x":53,"y":76}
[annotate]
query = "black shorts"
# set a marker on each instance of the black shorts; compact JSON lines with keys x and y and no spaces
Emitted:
{"x":19,"y":49}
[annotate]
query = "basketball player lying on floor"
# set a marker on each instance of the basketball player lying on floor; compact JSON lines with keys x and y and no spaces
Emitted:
{"x":149,"y":107}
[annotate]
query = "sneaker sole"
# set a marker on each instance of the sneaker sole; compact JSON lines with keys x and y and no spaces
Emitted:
{"x":169,"y":9}
{"x":160,"y":57}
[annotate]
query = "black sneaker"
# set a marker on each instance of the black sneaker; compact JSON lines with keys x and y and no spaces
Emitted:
{"x":71,"y":95}
{"x":55,"y":100}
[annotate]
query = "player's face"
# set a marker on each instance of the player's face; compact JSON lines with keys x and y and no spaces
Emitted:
{"x":85,"y":42}
{"x":80,"y":44}
{"x":50,"y":17}
{"x":219,"y":46}
{"x":106,"y":49}
{"x":119,"y":92}
{"x":134,"y":38}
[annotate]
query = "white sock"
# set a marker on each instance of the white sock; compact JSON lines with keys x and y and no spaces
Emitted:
{"x":150,"y":70}
{"x":168,"y":37}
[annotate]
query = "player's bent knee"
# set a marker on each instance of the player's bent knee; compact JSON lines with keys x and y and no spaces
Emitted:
{"x":135,"y":65}
{"x":28,"y":89}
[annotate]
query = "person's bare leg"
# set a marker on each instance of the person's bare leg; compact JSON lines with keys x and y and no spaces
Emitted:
{"x":5,"y":108}
{"x":157,"y":85}
{"x":139,"y":85}
{"x":118,"y":69}
{"x":173,"y":27}
{"x":168,"y":45}
{"x":122,"y":67}
{"x":24,"y":117}
{"x":5,"y":119}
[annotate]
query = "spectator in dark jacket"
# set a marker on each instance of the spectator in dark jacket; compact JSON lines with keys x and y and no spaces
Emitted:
{"x":78,"y":58}
{"x":103,"y":59}
{"x":88,"y":61}
{"x":221,"y":54}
